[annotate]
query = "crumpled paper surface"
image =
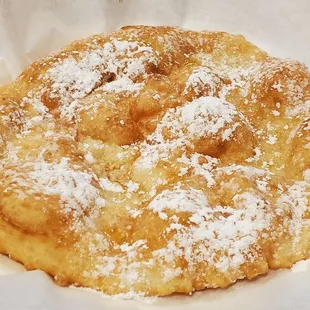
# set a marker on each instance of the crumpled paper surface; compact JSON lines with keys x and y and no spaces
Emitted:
{"x":33,"y":28}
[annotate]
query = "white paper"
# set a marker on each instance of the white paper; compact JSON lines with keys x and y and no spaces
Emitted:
{"x":30,"y":29}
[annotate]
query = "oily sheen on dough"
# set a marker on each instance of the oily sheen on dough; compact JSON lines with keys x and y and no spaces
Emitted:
{"x":156,"y":160}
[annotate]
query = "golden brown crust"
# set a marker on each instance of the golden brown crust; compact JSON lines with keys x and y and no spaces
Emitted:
{"x":156,"y":160}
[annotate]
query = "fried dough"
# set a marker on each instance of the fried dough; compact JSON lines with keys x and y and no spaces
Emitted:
{"x":156,"y":160}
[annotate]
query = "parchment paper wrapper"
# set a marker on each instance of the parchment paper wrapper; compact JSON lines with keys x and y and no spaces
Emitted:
{"x":30,"y":29}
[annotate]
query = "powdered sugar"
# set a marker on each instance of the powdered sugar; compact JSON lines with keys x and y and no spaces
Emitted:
{"x":248,"y":171}
{"x":106,"y":184}
{"x":123,"y":84}
{"x":73,"y":79}
{"x":201,"y":78}
{"x":296,"y":198}
{"x":299,"y":109}
{"x":205,"y":116}
{"x":271,"y":139}
{"x":73,"y":187}
{"x":178,"y":200}
{"x":233,"y":234}
{"x":205,"y":168}
{"x":307,"y":175}
{"x":76,"y":78}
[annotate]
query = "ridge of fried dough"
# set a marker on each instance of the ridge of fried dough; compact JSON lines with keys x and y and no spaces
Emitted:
{"x":156,"y":160}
